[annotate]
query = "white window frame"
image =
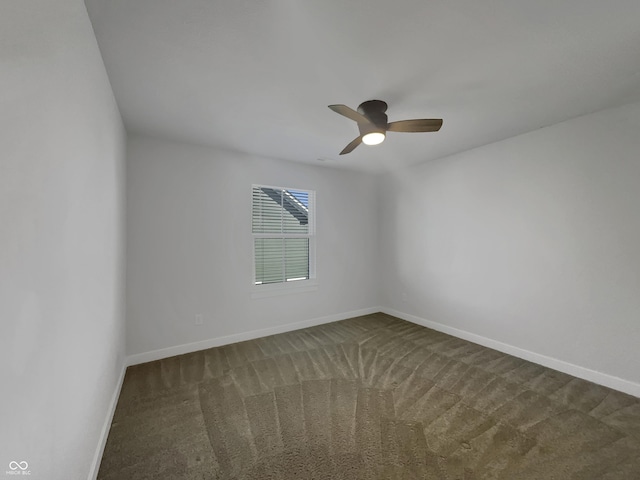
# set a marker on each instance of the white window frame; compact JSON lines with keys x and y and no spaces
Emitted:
{"x":287,"y":287}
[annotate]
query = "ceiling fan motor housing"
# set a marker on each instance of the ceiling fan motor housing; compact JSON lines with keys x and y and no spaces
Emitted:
{"x":374,"y":111}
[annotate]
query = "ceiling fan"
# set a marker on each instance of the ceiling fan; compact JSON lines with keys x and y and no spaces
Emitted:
{"x":373,"y":126}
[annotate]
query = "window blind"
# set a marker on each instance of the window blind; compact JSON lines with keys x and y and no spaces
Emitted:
{"x":283,"y":229}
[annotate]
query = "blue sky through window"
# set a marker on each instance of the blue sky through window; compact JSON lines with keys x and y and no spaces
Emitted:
{"x":302,"y":197}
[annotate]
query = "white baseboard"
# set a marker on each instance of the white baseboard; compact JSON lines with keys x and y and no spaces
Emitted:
{"x":594,"y":376}
{"x":241,"y":337}
{"x":104,"y":434}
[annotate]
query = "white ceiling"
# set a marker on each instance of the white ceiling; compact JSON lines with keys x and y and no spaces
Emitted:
{"x":257,"y":76}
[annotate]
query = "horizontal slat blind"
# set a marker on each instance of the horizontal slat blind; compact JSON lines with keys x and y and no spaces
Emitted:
{"x":282,"y":225}
{"x":297,"y":258}
{"x":269,"y":253}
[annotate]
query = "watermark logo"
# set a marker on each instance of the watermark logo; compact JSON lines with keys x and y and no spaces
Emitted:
{"x":18,"y":468}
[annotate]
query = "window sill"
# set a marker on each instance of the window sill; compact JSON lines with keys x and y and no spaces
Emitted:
{"x":264,"y":291}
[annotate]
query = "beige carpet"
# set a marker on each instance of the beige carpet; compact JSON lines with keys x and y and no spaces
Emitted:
{"x":373,"y":397}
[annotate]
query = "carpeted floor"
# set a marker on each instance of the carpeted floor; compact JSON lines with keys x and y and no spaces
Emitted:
{"x":372,"y":397}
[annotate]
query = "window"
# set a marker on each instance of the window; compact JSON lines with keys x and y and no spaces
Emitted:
{"x":283,"y":227}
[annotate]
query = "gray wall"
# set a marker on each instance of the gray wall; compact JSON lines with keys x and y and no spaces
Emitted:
{"x":531,"y":243}
{"x":61,"y":240}
{"x":189,"y":245}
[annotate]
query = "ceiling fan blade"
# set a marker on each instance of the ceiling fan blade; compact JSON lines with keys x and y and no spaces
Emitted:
{"x":349,"y":148}
{"x":422,"y":125}
{"x":349,"y":113}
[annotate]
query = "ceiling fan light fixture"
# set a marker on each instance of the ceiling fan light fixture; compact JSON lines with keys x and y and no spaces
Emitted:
{"x":373,"y":138}
{"x":373,"y":123}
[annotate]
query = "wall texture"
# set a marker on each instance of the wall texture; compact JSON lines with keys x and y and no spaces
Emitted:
{"x":189,"y":245}
{"x":62,"y":147}
{"x":531,"y":242}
